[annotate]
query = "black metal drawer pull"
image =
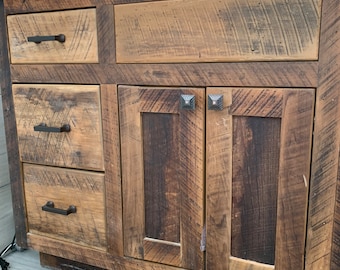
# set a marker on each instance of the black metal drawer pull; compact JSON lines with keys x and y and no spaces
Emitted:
{"x":37,"y":39}
{"x":44,"y":128}
{"x":49,"y":207}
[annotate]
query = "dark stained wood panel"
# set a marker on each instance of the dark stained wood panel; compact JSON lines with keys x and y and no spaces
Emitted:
{"x":105,"y":26}
{"x":256,"y":156}
{"x":217,"y":31}
{"x":161,"y":177}
{"x":266,"y":74}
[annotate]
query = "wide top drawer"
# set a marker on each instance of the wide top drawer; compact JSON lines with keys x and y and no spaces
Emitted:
{"x":53,"y":37}
{"x":59,"y":125}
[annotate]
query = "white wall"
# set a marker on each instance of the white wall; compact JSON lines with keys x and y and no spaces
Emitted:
{"x":6,"y":213}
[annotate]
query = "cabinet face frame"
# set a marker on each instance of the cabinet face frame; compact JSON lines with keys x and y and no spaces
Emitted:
{"x":322,"y":244}
{"x":295,"y":108}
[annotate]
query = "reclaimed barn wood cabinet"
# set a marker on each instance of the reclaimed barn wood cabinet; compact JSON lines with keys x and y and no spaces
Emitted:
{"x":174,"y":134}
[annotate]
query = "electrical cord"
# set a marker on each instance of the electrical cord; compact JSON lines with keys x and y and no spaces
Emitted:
{"x":12,"y":246}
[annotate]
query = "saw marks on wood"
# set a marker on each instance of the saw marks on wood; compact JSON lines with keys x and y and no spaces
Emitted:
{"x":217,"y":30}
{"x":78,"y":26}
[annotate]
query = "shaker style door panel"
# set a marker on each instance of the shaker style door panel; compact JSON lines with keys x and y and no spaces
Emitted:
{"x":258,"y":166}
{"x":162,"y":142}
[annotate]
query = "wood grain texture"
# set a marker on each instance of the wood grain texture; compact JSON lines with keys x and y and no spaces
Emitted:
{"x":182,"y":181}
{"x":65,"y":187}
{"x":4,"y":173}
{"x":78,"y":26}
{"x":91,"y":256}
{"x":257,"y":102}
{"x":265,"y":74}
{"x":219,"y":127}
{"x":26,"y":6}
{"x":239,"y":264}
{"x":297,"y":107}
{"x":55,"y":106}
{"x":323,"y":246}
{"x":256,"y":158}
{"x":161,"y":180}
{"x":53,"y":262}
{"x":19,"y":210}
{"x":294,"y":175}
{"x":105,"y":26}
{"x":217,"y":31}
{"x":113,"y":184}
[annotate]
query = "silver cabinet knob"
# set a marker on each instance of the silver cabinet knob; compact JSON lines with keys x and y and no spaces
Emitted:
{"x":215,"y":102}
{"x":187,"y":102}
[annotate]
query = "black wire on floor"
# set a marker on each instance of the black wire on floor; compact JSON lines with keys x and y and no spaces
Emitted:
{"x":12,"y":246}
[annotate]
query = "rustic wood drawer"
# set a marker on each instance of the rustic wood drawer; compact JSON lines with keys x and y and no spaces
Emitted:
{"x":59,"y":125}
{"x":65,"y":188}
{"x":217,"y":31}
{"x":78,"y":27}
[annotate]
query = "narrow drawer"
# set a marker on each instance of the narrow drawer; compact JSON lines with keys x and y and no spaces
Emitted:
{"x":51,"y":192}
{"x":78,"y":27}
{"x":59,"y":125}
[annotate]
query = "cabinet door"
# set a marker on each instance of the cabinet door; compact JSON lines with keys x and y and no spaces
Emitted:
{"x":163,"y":174}
{"x":258,"y":164}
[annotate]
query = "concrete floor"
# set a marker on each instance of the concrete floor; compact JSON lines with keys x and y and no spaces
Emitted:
{"x":24,"y":260}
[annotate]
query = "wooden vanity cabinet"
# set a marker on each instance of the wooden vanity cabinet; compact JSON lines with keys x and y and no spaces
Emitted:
{"x":173,"y":134}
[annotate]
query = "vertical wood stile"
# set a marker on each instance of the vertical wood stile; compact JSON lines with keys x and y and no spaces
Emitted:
{"x":218,"y":183}
{"x":113,"y":186}
{"x":132,"y":171}
{"x":105,"y":25}
{"x":295,"y":157}
{"x":323,"y":245}
{"x":19,"y":210}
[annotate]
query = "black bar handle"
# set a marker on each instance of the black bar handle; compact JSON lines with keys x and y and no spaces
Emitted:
{"x":44,"y":128}
{"x":37,"y":39}
{"x":49,"y":207}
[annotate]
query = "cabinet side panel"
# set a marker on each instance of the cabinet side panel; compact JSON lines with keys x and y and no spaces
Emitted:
{"x":19,"y":210}
{"x":323,"y":243}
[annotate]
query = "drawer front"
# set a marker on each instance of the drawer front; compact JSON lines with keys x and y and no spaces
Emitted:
{"x":65,"y":188}
{"x":217,"y":31}
{"x":78,"y":27}
{"x":43,"y":112}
